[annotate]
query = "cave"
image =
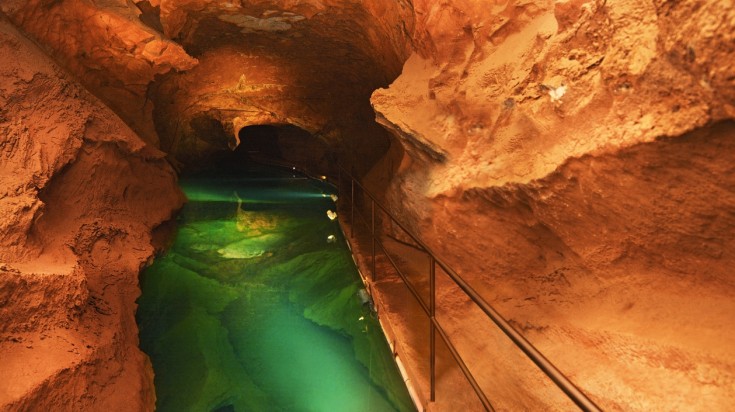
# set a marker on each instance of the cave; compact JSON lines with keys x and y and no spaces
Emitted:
{"x":263,"y":139}
{"x":569,"y":163}
{"x":286,"y":145}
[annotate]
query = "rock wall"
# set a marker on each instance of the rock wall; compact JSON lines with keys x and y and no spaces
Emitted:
{"x":108,"y":48}
{"x":167,"y":67}
{"x":79,"y":194}
{"x":573,"y":161}
{"x":511,"y":91}
{"x":310,"y":64}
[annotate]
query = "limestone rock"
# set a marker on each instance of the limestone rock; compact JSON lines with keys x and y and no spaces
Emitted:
{"x":108,"y":48}
{"x":80,"y":196}
{"x":573,"y":160}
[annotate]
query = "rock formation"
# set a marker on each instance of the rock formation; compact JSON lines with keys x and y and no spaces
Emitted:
{"x":572,"y":159}
{"x":79,"y":195}
{"x":194,"y":74}
{"x":113,"y":53}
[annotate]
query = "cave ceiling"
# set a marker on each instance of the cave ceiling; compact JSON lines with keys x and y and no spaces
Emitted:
{"x":166,"y":67}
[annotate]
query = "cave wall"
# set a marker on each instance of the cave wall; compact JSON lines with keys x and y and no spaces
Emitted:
{"x":81,"y":193}
{"x":163,"y":66}
{"x":107,"y":47}
{"x":309,"y":64}
{"x":517,"y":88}
{"x":572,"y":160}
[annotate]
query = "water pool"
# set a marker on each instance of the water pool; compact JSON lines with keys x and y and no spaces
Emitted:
{"x":254,"y":309}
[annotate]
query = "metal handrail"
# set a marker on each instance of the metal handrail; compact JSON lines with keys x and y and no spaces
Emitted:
{"x":400,"y":273}
{"x":429,"y":311}
{"x":556,"y":376}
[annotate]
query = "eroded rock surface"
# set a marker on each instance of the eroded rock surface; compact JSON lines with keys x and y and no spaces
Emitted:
{"x":80,"y":194}
{"x":574,"y":162}
{"x":572,"y":159}
{"x":169,"y":67}
{"x":310,"y":64}
{"x":108,"y":48}
{"x":509,"y":92}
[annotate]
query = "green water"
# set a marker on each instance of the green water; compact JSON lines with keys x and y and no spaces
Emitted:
{"x":252,"y":309}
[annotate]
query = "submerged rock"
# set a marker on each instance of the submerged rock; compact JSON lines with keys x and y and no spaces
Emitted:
{"x":250,"y":247}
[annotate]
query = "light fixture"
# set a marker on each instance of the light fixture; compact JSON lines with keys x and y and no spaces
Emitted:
{"x":331,"y":215}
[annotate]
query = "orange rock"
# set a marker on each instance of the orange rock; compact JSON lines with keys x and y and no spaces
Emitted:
{"x":571,"y":158}
{"x":81,"y":194}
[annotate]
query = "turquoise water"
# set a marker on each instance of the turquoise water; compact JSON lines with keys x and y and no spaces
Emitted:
{"x":254,"y":309}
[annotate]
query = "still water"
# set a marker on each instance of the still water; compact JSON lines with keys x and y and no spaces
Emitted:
{"x":256,"y":308}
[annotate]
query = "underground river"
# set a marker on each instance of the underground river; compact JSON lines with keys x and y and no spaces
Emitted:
{"x":256,"y":305}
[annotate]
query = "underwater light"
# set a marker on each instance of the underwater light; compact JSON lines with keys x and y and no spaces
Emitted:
{"x":334,"y":197}
{"x":331,"y":239}
{"x":331,"y":215}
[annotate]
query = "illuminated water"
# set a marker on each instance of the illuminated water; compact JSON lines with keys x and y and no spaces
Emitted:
{"x":252,"y":309}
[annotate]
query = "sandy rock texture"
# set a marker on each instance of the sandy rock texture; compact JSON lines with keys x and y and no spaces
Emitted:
{"x":573,"y":160}
{"x":309,"y":64}
{"x":108,"y":47}
{"x":79,"y":196}
{"x":188,"y":76}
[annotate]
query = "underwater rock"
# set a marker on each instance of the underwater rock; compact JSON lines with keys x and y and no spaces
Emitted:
{"x":250,"y":247}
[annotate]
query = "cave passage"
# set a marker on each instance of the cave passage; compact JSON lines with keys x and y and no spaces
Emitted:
{"x":255,"y":307}
{"x":283,"y":143}
{"x":260,"y":140}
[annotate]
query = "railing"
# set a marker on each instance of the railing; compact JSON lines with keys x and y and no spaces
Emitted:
{"x":561,"y":381}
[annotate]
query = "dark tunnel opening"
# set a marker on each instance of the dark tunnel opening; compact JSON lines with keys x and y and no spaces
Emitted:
{"x":280,"y":144}
{"x":284,"y":144}
{"x":261,"y":141}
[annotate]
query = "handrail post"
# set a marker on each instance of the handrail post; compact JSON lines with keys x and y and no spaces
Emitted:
{"x":339,"y":181}
{"x":352,"y":207}
{"x":372,"y":231}
{"x":432,"y":328}
{"x":561,"y":381}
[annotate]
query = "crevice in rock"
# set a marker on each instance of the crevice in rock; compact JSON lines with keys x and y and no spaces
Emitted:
{"x":150,"y":15}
